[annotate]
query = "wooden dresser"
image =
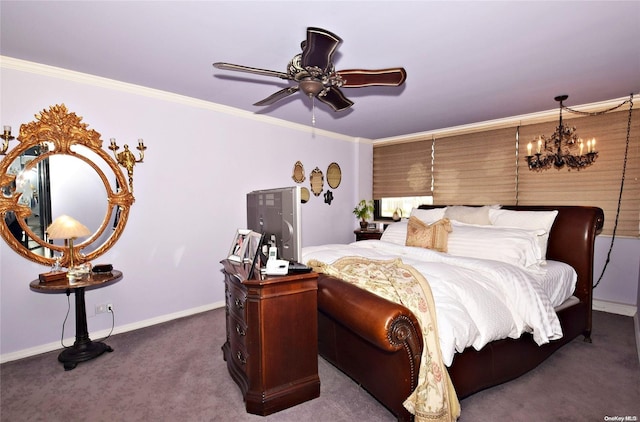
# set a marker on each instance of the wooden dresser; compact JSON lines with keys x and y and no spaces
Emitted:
{"x":272,"y":338}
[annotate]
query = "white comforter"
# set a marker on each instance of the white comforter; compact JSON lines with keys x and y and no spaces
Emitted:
{"x":477,"y":301}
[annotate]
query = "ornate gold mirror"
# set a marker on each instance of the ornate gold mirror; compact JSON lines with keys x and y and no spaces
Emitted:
{"x":59,"y":168}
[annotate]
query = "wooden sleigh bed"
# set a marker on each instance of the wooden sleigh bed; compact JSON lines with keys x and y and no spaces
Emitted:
{"x":378,"y":343}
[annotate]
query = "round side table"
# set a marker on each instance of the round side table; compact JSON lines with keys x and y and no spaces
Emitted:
{"x":83,"y":348}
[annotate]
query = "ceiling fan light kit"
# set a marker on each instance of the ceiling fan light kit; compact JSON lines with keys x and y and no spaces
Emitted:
{"x":314,"y":73}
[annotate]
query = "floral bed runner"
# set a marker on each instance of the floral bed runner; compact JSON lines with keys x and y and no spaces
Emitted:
{"x":434,"y":398}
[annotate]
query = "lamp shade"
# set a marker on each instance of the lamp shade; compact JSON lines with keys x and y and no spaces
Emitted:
{"x":65,"y":227}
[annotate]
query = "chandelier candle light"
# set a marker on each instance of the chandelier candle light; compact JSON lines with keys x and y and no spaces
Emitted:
{"x":557,"y":150}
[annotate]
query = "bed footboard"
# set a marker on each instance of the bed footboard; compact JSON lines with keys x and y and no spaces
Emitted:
{"x":384,"y":355}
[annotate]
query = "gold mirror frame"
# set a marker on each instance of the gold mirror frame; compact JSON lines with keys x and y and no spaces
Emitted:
{"x":56,"y":131}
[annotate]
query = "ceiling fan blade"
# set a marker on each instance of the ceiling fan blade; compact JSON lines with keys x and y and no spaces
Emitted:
{"x":335,"y":99}
{"x":319,"y":48}
{"x":277,"y":96}
{"x":358,"y":78}
{"x":256,"y":71}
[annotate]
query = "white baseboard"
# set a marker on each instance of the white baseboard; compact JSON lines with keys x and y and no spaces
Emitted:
{"x":614,"y":308}
{"x":44,"y":348}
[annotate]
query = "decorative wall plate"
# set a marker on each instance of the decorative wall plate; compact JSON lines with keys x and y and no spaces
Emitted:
{"x":328,"y":197}
{"x":334,"y":175}
{"x":304,"y":195}
{"x":316,"y":180}
{"x":298,"y":172}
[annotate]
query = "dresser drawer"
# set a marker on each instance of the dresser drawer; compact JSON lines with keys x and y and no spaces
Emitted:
{"x":238,"y":331}
{"x":237,"y":301}
{"x":239,"y":352}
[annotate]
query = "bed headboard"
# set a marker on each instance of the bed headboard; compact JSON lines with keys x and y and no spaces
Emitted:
{"x":571,"y":239}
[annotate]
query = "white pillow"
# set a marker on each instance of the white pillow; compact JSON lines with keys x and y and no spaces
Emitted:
{"x":530,"y":220}
{"x":428,"y":216}
{"x":470,"y":215}
{"x":395,"y":233}
{"x":506,"y":244}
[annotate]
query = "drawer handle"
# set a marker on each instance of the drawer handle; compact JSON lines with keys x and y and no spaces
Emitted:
{"x":239,"y":304}
{"x":241,"y":358}
{"x":240,"y":331}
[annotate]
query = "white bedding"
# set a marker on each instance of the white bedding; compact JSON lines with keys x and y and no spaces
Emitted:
{"x":477,"y":300}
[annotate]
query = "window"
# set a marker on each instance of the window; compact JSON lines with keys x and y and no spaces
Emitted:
{"x":385,"y":207}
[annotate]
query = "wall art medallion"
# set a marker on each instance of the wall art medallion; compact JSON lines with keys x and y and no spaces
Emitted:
{"x":334,"y":175}
{"x":316,"y":180}
{"x":298,"y":172}
{"x":304,"y":195}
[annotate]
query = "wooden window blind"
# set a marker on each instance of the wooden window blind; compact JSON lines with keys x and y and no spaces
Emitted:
{"x":402,"y":169}
{"x":475,"y":168}
{"x":479,"y":168}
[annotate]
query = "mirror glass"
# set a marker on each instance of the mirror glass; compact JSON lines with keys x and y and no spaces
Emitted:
{"x":31,"y":181}
{"x":76,"y":190}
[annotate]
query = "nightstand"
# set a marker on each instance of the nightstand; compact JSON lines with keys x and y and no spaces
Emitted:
{"x":367,"y":234}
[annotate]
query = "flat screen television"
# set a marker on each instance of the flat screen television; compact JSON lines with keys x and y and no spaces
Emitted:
{"x":275,"y":213}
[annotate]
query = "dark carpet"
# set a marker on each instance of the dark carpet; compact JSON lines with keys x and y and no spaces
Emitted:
{"x":175,"y":372}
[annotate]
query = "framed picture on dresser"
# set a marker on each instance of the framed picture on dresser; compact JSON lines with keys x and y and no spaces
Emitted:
{"x":254,"y":256}
{"x":239,"y":246}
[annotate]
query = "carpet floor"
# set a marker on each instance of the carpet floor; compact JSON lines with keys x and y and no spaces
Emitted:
{"x":175,"y":372}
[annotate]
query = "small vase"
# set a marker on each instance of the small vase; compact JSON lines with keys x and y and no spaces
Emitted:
{"x":363,"y":225}
{"x":397,"y":214}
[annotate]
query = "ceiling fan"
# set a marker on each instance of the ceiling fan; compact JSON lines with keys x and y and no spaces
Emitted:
{"x":315,"y":74}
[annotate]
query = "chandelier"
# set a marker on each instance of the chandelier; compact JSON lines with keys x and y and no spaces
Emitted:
{"x":562,"y":148}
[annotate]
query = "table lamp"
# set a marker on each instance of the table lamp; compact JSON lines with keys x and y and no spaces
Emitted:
{"x":65,"y":227}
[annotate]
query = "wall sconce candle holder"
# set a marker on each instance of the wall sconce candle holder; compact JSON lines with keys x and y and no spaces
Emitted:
{"x":127,"y":159}
{"x":6,"y":135}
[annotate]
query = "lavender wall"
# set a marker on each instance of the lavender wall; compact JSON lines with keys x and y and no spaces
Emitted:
{"x":190,"y":198}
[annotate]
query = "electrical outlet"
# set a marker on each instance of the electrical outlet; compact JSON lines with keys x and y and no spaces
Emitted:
{"x":104,"y":308}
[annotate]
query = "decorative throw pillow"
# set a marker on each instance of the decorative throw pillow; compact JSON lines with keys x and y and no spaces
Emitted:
{"x":431,"y":236}
{"x":470,"y":215}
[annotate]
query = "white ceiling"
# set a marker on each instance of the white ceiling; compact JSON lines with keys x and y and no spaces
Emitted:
{"x":466,"y":61}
